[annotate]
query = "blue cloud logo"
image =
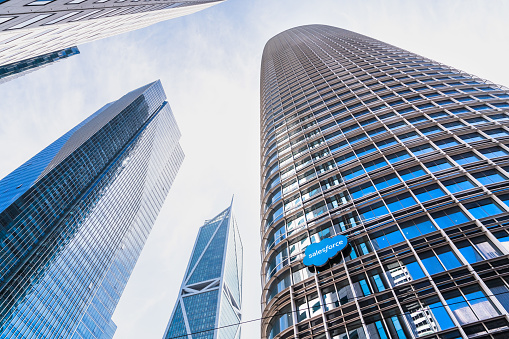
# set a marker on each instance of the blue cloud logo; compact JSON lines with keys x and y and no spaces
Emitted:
{"x":318,"y":254}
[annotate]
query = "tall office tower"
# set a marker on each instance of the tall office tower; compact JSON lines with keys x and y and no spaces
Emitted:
{"x":30,"y":28}
{"x":74,"y":218}
{"x":405,"y":157}
{"x":17,"y":69}
{"x":211,"y":293}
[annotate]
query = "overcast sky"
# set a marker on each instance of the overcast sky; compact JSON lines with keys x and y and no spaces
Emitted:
{"x":209,"y":64}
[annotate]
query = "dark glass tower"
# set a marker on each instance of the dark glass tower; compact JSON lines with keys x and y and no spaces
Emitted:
{"x":405,"y":156}
{"x":74,"y":218}
{"x":17,"y":69}
{"x":211,"y":292}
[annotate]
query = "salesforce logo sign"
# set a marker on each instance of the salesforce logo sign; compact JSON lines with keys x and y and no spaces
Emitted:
{"x":319,"y":253}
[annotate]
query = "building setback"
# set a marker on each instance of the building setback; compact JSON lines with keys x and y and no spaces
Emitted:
{"x":29,"y":28}
{"x":17,"y":69}
{"x":209,"y":305}
{"x":75,"y":217}
{"x":406,"y":157}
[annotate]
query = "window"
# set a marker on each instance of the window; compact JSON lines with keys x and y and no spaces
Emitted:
{"x":444,"y":143}
{"x":439,"y":260}
{"x":427,"y":193}
{"x":471,"y":137}
{"x":345,"y":158}
{"x":477,"y":249}
{"x":386,"y":181}
{"x":39,"y":2}
{"x":361,"y":190}
{"x":385,"y":238}
{"x":412,"y":172}
{"x":499,"y":116}
{"x":30,"y":21}
{"x":454,"y":124}
{"x":438,"y":165}
{"x":431,"y":130}
{"x":417,"y":227}
{"x":480,"y":107}
{"x":489,"y":177}
{"x":395,"y":157}
{"x":474,"y":121}
{"x":386,"y":143}
{"x":374,"y":164}
{"x":469,"y":304}
{"x":402,"y":271}
{"x":449,"y":217}
{"x":465,"y":158}
{"x":458,"y":184}
{"x":373,"y":211}
{"x":352,"y":173}
{"x":483,"y":208}
{"x":5,"y":19}
{"x":497,"y":133}
{"x":421,"y":149}
{"x":438,"y":115}
{"x":400,"y":202}
{"x":407,"y":136}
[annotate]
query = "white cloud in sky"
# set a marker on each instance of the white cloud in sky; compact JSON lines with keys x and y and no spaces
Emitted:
{"x":209,"y":65}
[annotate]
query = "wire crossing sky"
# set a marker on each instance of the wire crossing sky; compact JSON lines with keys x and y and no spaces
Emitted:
{"x":209,"y":66}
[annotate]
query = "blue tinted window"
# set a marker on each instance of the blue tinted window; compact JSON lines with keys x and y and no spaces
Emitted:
{"x":365,"y":150}
{"x":400,"y":201}
{"x":465,"y":158}
{"x":438,"y":165}
{"x":386,"y":143}
{"x":438,"y":115}
{"x":431,"y":130}
{"x":449,"y":217}
{"x":497,"y":133}
{"x":396,"y":125}
{"x":395,"y":157}
{"x":345,"y":158}
{"x":483,"y":208}
{"x":386,"y":181}
{"x":444,"y":143}
{"x":376,"y":131}
{"x":474,"y":121}
{"x":352,"y":173}
{"x":431,"y":262}
{"x":469,"y":252}
{"x":361,"y":190}
{"x":412,"y":172}
{"x":374,"y":164}
{"x":464,"y":99}
{"x":470,"y":137}
{"x":407,"y":136}
{"x":416,"y":227}
{"x":449,"y":260}
{"x":500,"y":116}
{"x":387,"y":237}
{"x":489,"y":177}
{"x":356,"y":138}
{"x":421,"y":149}
{"x":428,"y":193}
{"x":373,"y":211}
{"x":458,"y":184}
{"x":493,"y":152}
{"x":454,"y":124}
{"x":480,"y":107}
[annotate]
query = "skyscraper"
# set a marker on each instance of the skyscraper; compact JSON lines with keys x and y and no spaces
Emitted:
{"x":74,"y":218}
{"x":211,"y":293}
{"x":405,"y":157}
{"x":29,"y":28}
{"x":17,"y":69}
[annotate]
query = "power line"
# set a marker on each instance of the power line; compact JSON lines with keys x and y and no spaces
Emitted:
{"x":279,"y":313}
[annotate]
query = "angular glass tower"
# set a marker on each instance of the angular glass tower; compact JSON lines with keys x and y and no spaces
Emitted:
{"x":17,"y":69}
{"x":211,"y":293}
{"x":74,"y":218}
{"x":30,"y":28}
{"x":406,"y":157}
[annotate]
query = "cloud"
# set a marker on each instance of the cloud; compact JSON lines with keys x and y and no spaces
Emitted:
{"x":318,"y":254}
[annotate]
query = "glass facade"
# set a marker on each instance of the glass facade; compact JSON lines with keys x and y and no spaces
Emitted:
{"x":405,"y":156}
{"x":211,"y":293}
{"x":74,"y":218}
{"x":17,"y":69}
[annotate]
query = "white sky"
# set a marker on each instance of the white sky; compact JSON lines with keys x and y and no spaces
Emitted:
{"x":209,"y":64}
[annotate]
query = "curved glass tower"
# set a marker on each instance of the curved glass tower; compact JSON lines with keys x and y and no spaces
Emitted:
{"x":408,"y":159}
{"x":74,"y":218}
{"x":211,"y":294}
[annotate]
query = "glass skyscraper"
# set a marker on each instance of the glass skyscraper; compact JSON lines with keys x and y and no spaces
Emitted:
{"x":17,"y":69}
{"x":406,"y":157}
{"x":74,"y":218}
{"x":211,"y":293}
{"x":30,"y":28}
